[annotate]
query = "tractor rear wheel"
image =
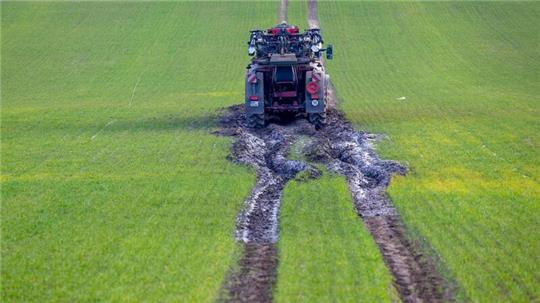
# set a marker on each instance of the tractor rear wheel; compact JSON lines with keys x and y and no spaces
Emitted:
{"x":255,"y":121}
{"x":317,"y":119}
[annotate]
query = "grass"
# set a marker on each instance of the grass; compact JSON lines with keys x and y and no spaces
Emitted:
{"x":326,"y":254}
{"x":112,"y":185}
{"x":467,"y":127}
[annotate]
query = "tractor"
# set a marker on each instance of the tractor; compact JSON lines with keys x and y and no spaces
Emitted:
{"x":286,"y":75}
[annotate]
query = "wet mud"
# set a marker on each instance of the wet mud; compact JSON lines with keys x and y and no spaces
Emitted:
{"x":265,"y":150}
{"x":343,"y":151}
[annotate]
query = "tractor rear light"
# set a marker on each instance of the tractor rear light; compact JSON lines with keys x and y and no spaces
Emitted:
{"x":292,"y":30}
{"x":312,"y":87}
{"x":252,"y":78}
{"x":314,"y":102}
{"x":254,"y":98}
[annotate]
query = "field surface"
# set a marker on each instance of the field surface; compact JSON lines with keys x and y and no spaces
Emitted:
{"x":115,"y":189}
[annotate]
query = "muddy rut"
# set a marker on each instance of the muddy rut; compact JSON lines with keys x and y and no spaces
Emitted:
{"x":342,"y":150}
{"x":257,"y":227}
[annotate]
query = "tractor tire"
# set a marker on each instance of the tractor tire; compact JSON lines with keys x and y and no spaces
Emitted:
{"x":317,"y":119}
{"x":255,"y":121}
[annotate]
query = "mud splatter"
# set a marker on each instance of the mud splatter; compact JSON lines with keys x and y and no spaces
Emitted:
{"x":266,"y":151}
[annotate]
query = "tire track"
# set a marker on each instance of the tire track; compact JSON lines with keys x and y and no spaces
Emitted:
{"x":283,"y":11}
{"x":257,"y":228}
{"x":351,"y":154}
{"x":313,"y":14}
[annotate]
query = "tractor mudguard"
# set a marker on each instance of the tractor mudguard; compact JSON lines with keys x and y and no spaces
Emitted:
{"x":315,"y":105}
{"x":254,"y":100}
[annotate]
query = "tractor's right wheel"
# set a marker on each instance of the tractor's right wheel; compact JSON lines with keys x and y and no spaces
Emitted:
{"x":318,"y":120}
{"x":255,"y":121}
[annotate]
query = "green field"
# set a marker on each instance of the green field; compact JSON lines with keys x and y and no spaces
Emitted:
{"x":114,"y":188}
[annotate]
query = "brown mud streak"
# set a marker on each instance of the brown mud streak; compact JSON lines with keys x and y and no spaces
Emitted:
{"x":415,"y":273}
{"x":256,"y":277}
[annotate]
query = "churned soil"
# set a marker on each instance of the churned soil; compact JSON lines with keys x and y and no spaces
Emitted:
{"x":343,"y":151}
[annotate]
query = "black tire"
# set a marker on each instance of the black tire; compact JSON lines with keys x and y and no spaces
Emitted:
{"x":255,"y":121}
{"x":317,"y":119}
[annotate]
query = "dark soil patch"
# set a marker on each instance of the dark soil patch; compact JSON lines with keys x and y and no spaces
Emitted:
{"x":415,"y":275}
{"x":255,"y":278}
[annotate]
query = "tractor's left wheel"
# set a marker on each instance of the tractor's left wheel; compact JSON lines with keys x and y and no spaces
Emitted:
{"x":255,"y":121}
